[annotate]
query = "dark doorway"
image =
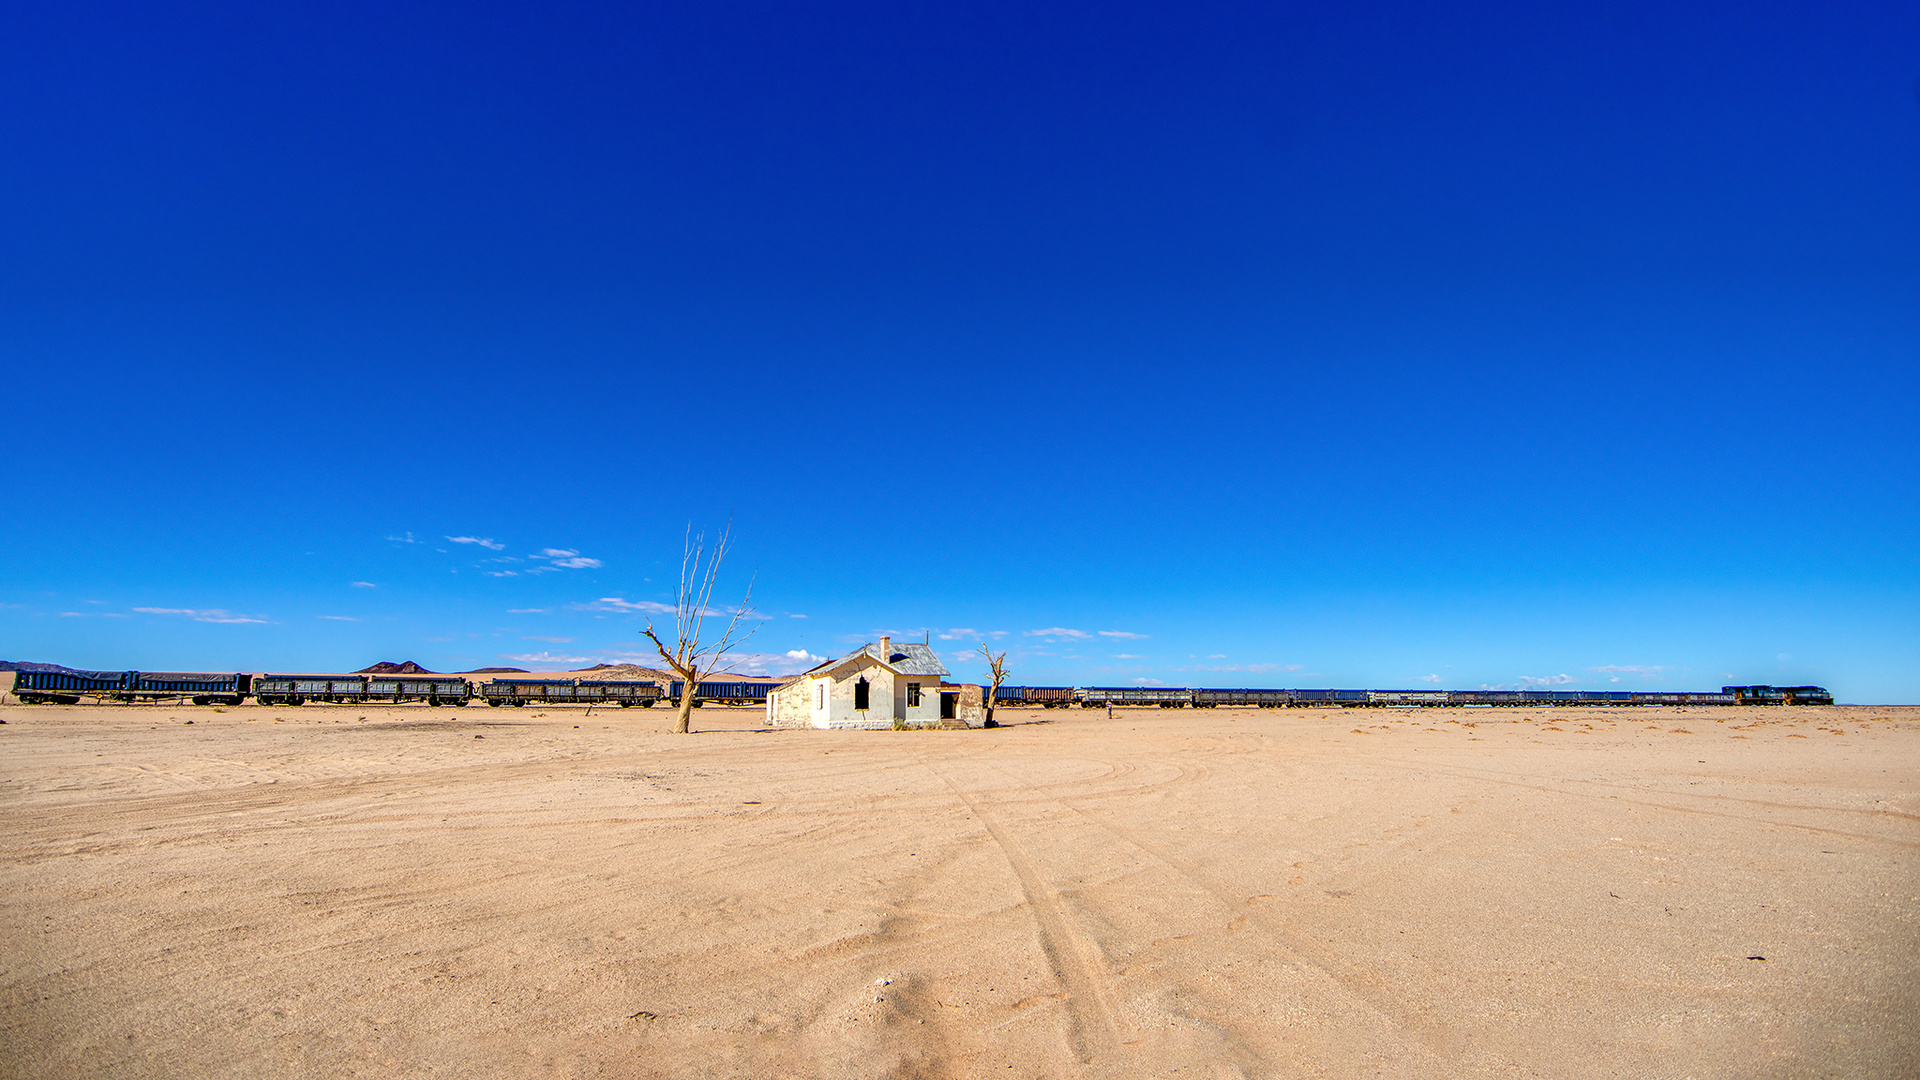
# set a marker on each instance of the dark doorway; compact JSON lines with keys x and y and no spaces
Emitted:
{"x":948,"y":699}
{"x":860,"y":691}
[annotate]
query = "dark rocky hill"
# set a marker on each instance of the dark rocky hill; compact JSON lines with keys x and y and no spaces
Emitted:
{"x":388,"y":667}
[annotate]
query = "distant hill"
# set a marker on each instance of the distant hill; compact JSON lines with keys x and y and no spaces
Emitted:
{"x":636,"y":673}
{"x":28,"y":665}
{"x":496,"y":671}
{"x":388,"y":667}
{"x":622,"y":673}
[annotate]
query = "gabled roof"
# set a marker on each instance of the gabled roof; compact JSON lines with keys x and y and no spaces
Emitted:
{"x":911,"y":658}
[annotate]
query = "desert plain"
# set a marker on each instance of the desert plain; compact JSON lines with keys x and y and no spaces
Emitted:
{"x":414,"y":892}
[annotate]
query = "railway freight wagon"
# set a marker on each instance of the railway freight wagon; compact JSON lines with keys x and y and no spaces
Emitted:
{"x":724,"y":693}
{"x":361,"y":689}
{"x":1264,"y":699}
{"x":1330,"y":698}
{"x":569,"y":692}
{"x":1167,"y":697}
{"x":1033,"y":697}
{"x":68,"y":687}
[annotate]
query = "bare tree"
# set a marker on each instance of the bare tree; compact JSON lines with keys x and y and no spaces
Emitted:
{"x":689,"y":658}
{"x":997,"y":667}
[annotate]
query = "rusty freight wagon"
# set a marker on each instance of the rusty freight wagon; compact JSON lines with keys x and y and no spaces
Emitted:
{"x":1033,"y":697}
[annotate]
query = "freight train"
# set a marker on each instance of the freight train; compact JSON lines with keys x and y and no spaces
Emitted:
{"x":69,"y":687}
{"x":1176,"y":697}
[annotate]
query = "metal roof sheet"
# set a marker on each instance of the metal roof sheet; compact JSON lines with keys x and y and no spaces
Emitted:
{"x":911,"y":658}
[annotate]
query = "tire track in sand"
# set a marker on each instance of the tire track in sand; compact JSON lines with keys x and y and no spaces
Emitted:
{"x":1421,"y":1031}
{"x":1096,"y":1026}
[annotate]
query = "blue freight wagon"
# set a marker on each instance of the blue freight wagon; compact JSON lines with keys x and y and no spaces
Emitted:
{"x":723,"y":693}
{"x":68,"y":687}
{"x":197,"y":687}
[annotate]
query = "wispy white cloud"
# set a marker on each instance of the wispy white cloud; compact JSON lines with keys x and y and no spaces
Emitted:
{"x":615,"y":603}
{"x":1058,"y":632}
{"x":791,"y":615}
{"x":338,"y":618}
{"x":407,"y":539}
{"x":206,"y":615}
{"x":566,"y":559}
{"x":1128,"y":656}
{"x":1126,"y":635}
{"x":363,"y":584}
{"x":792,"y":662}
{"x":490,"y":545}
{"x":962,"y":633}
{"x":1428,"y":678}
{"x":527,"y":610}
{"x":501,"y":573}
{"x":547,"y":658}
{"x":1148,"y":682}
{"x":1649,"y":672}
{"x":1217,"y":656}
{"x":1528,"y":682}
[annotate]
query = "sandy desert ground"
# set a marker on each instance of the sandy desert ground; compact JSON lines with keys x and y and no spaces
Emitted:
{"x":409,"y":892}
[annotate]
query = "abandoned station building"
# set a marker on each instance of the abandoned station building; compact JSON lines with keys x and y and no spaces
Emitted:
{"x":873,"y":687}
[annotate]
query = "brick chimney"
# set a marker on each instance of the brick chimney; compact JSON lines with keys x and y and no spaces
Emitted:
{"x":886,"y":650}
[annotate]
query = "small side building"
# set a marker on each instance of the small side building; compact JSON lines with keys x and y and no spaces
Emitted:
{"x":874,"y":686}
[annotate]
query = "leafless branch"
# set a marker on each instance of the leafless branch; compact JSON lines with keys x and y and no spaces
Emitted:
{"x":688,"y":657}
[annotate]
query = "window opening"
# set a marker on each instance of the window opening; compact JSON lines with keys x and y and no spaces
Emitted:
{"x":860,"y":691}
{"x":913,"y":694}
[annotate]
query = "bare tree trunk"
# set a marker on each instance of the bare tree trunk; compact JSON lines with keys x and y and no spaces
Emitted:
{"x":688,"y":658}
{"x":997,"y":667}
{"x":685,"y":724}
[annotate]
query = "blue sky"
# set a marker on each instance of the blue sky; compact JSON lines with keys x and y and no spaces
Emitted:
{"x":1357,"y":345}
